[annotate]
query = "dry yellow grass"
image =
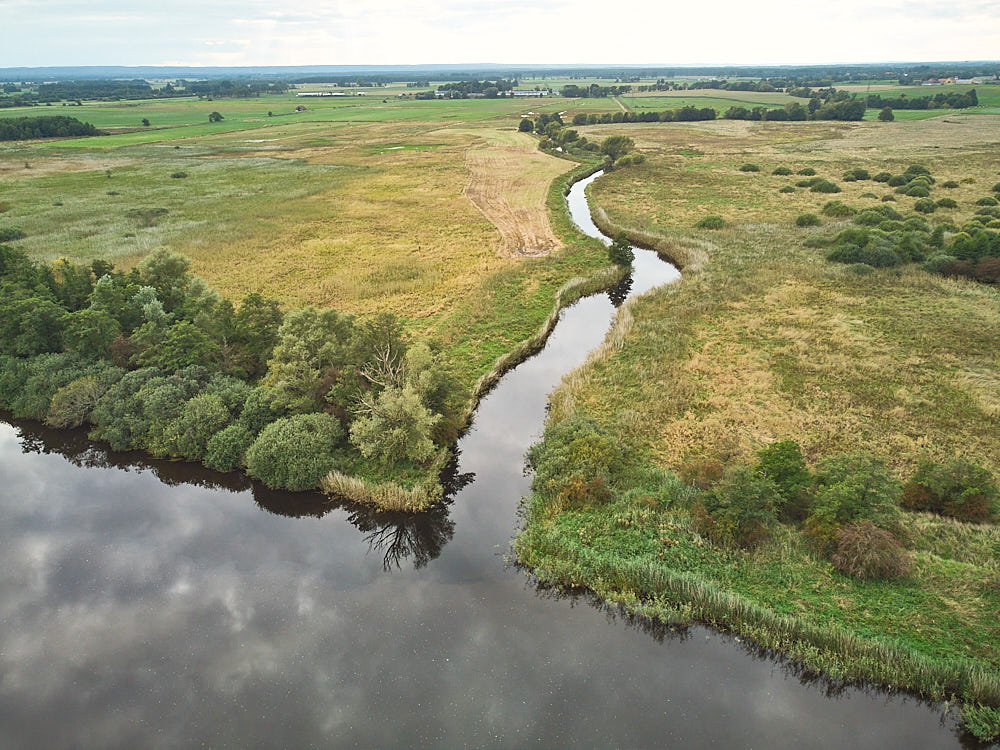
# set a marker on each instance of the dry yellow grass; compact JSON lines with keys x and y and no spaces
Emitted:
{"x":768,"y":340}
{"x":508,"y":181}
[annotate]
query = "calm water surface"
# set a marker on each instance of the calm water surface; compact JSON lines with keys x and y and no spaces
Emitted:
{"x":156,"y":604}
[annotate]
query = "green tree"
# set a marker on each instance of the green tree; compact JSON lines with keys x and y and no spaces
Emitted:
{"x":255,"y":332}
{"x":620,"y":251}
{"x":90,"y":332}
{"x":886,"y":115}
{"x":215,"y":117}
{"x":395,"y":426}
{"x":294,"y":453}
{"x":201,"y":418}
{"x":616,"y":146}
{"x":73,"y":404}
{"x":526,"y":125}
{"x":145,"y":122}
{"x":183,"y":344}
{"x":227,"y":448}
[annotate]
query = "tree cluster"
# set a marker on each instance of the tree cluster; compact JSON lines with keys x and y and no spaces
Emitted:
{"x":28,"y":128}
{"x":942,"y":100}
{"x":593,"y":91}
{"x":155,"y":360}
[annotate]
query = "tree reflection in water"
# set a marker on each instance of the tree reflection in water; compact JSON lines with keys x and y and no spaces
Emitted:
{"x":396,"y":536}
{"x":620,"y":291}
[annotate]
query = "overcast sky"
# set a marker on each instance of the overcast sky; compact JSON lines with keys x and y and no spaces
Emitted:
{"x":338,"y":32}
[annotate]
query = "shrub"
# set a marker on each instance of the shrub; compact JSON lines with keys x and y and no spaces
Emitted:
{"x":782,"y":463}
{"x":988,"y":271}
{"x":987,"y":201}
{"x":996,"y":188}
{"x":888,"y":199}
{"x":897,"y":180}
{"x":200,"y":419}
{"x":918,"y":191}
{"x":787,"y":189}
{"x":179,"y":175}
{"x":807,"y":220}
{"x":782,"y":171}
{"x":527,"y":125}
{"x":73,"y":404}
{"x":806,"y":171}
{"x":936,"y":263}
{"x":863,"y":550}
{"x":916,"y":170}
{"x":838,"y":209}
{"x":947,"y":203}
{"x":882,"y":177}
{"x":711,"y":222}
{"x":869,"y":218}
{"x":737,"y":511}
{"x":851,"y":487}
{"x":294,"y":453}
{"x":576,"y":461}
{"x":227,"y":448}
{"x":824,"y":186}
{"x":925,"y":206}
{"x":955,"y":488}
{"x":857,"y":174}
{"x":949,"y":184}
{"x":10,"y":234}
{"x":749,"y":168}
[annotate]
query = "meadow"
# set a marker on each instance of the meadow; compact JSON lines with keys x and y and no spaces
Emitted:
{"x":417,"y":208}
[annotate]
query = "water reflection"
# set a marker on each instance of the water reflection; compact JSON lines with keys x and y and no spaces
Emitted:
{"x":620,"y":291}
{"x":395,"y":536}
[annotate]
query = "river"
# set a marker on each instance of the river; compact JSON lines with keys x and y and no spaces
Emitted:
{"x":154,"y":604}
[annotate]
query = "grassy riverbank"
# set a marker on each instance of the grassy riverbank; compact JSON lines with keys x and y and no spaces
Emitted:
{"x":765,"y":340}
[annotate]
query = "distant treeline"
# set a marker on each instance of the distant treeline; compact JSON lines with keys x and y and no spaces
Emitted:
{"x":593,"y":91}
{"x":488,"y":88}
{"x":851,"y":109}
{"x":27,"y":128}
{"x":76,"y":91}
{"x":952,"y":100}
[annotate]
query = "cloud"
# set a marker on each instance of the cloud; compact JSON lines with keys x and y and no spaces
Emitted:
{"x":255,"y":32}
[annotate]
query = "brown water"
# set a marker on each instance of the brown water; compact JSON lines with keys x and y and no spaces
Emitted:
{"x":155,"y":604}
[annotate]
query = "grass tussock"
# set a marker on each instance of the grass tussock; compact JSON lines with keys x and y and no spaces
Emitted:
{"x":388,"y":496}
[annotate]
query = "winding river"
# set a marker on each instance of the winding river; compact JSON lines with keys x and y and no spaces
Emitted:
{"x":155,"y":604}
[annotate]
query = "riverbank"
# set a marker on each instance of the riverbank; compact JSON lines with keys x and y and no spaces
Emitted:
{"x":767,"y":342}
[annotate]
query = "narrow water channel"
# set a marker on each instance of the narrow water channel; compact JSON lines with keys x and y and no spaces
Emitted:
{"x":155,"y":604}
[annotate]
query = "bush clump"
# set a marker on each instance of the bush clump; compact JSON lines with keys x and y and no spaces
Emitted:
{"x":806,"y":171}
{"x":576,"y":462}
{"x":294,"y":453}
{"x":178,"y":175}
{"x":783,"y":464}
{"x":749,"y":168}
{"x":857,"y":173}
{"x":863,"y":550}
{"x":838,"y":209}
{"x":781,"y":171}
{"x":824,"y":186}
{"x":918,"y":191}
{"x":987,"y":201}
{"x":947,"y":203}
{"x":227,"y":448}
{"x":882,"y":177}
{"x":787,"y":189}
{"x":949,"y":184}
{"x":738,"y":511}
{"x":711,"y":222}
{"x":955,"y":488}
{"x":925,"y":206}
{"x":11,"y":234}
{"x":897,"y":180}
{"x":851,"y":487}
{"x":807,"y":220}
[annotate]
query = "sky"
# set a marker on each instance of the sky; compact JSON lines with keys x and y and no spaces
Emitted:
{"x":398,"y":32}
